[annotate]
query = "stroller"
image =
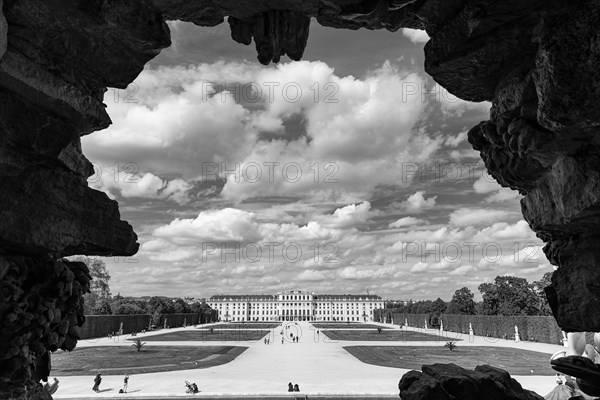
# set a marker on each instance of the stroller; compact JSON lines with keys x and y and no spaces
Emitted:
{"x":191,"y":387}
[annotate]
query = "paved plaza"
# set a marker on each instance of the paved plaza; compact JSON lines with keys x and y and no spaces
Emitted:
{"x":318,"y":365}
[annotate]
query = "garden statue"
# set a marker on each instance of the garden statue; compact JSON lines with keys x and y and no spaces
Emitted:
{"x":517,"y":338}
{"x":470,"y":329}
{"x":426,"y":324}
{"x":441,"y":326}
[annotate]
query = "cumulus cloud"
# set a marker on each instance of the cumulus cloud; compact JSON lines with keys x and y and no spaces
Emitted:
{"x":349,"y":216}
{"x":454,"y":107}
{"x":130,"y":184}
{"x":310,"y":276}
{"x":406,"y":221}
{"x":463,"y":270}
{"x":476,"y":216}
{"x":301,"y":165}
{"x":486,"y":184}
{"x":416,"y":36}
{"x":502,"y":195}
{"x":416,"y":203}
{"x":171,"y":121}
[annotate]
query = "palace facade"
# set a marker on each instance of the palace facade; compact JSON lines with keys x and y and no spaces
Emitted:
{"x":296,"y":305}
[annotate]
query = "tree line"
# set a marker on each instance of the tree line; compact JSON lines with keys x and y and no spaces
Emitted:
{"x":507,"y":295}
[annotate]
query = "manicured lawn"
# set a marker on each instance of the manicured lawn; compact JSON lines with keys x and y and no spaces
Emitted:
{"x":245,"y":325}
{"x":122,"y":359}
{"x":515,"y":361}
{"x":202,"y":335}
{"x":343,"y":325}
{"x":385,"y":336}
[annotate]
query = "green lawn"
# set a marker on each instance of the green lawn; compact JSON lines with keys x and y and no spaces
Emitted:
{"x":385,"y":336}
{"x":119,"y":360}
{"x":245,"y":325}
{"x":203,"y":335}
{"x":343,"y":325}
{"x":515,"y":361}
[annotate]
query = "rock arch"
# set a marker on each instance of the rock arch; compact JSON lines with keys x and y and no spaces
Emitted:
{"x":537,"y":61}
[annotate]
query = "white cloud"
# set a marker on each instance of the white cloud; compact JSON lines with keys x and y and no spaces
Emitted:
{"x":476,"y":216}
{"x":349,"y":216}
{"x":503,"y":194}
{"x":419,"y":267}
{"x":416,"y":203}
{"x":463,"y":270}
{"x":311,"y":276}
{"x":486,"y":184}
{"x":130,"y":184}
{"x":212,"y":226}
{"x":454,"y":107}
{"x":406,"y":221}
{"x":416,"y":35}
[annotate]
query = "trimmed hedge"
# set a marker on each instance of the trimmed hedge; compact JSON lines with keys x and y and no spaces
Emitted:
{"x":531,"y":328}
{"x":542,"y":329}
{"x":96,"y":326}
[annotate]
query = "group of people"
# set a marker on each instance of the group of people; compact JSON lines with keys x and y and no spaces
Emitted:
{"x":293,"y":388}
{"x":191,"y":387}
{"x":98,"y":380}
{"x":267,"y":340}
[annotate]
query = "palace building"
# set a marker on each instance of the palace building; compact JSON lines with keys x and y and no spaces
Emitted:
{"x":296,"y":305}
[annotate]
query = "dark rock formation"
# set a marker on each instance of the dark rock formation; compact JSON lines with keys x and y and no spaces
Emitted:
{"x":41,"y":306}
{"x":451,"y":382}
{"x":3,"y":31}
{"x":56,"y":60}
{"x":276,"y":33}
{"x":542,"y":140}
{"x":535,"y":60}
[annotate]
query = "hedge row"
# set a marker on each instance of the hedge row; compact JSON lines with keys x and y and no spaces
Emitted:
{"x":101,"y":325}
{"x":531,"y":328}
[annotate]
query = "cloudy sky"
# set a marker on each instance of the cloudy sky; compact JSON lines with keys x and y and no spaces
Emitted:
{"x":346,"y":172}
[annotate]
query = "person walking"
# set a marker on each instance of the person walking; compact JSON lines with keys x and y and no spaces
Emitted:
{"x":97,"y":381}
{"x":290,"y":387}
{"x":125,"y":383}
{"x":296,"y":388}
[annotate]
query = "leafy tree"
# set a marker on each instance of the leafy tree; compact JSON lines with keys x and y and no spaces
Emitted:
{"x":538,"y":288}
{"x":126,"y":308}
{"x":489,"y":305}
{"x":462,"y":302}
{"x":180,"y":306}
{"x":509,"y":295}
{"x":102,"y":307}
{"x":99,"y":287}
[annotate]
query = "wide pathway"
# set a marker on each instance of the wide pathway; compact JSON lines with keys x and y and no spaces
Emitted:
{"x":316,"y":364}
